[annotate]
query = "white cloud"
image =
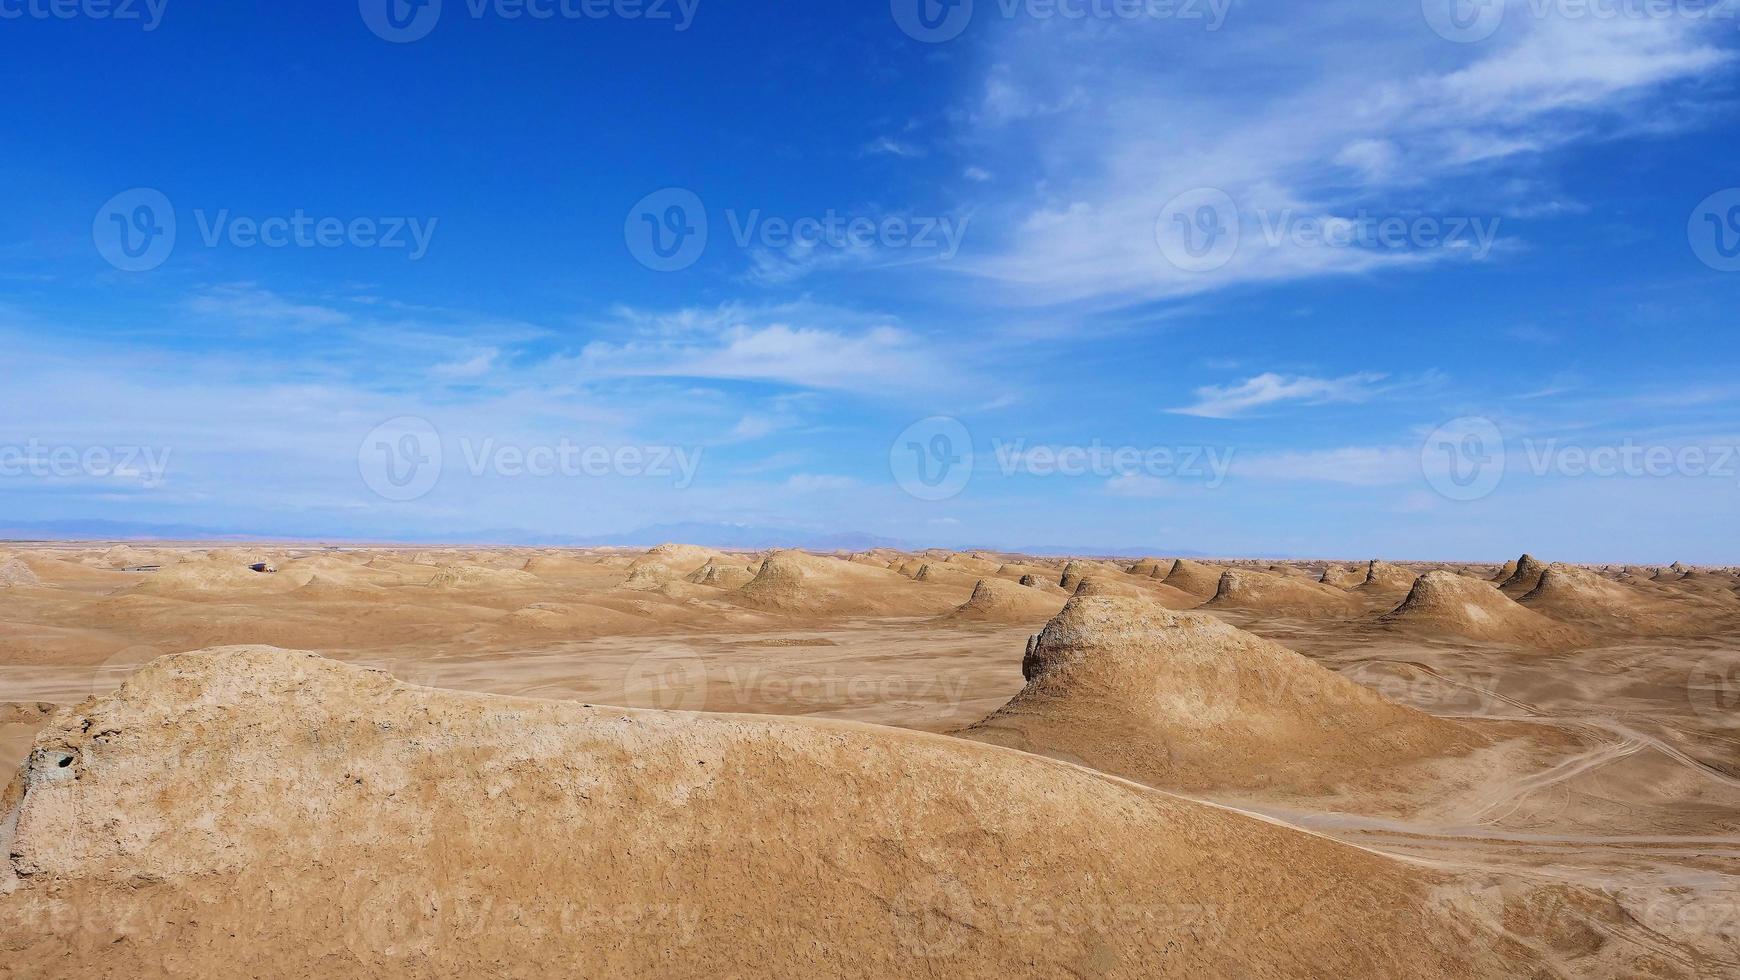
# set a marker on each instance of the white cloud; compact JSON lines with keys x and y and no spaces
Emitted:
{"x":851,"y":352}
{"x":248,"y":305}
{"x":475,"y":366}
{"x":1356,"y":109}
{"x":1229,"y":401}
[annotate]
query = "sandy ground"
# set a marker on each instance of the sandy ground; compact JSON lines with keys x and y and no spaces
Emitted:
{"x":1577,"y":729}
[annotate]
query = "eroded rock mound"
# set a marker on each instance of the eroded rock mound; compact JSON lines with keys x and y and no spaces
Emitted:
{"x":1286,"y":596}
{"x":799,"y":583}
{"x":1524,"y":577}
{"x":1195,"y":578}
{"x":1381,"y":577}
{"x":14,"y":572}
{"x":1445,"y":602}
{"x":721,"y":576}
{"x":1577,"y":595}
{"x":1184,"y":700}
{"x":272,"y":813}
{"x":996,"y":600}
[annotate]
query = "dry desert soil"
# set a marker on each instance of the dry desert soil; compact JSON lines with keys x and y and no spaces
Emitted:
{"x":307,"y":761}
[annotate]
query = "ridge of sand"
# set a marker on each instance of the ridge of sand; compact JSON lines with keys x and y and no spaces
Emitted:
{"x":996,"y":600}
{"x":1445,"y":602}
{"x":1265,"y":593}
{"x":292,"y":816}
{"x":1184,"y":700}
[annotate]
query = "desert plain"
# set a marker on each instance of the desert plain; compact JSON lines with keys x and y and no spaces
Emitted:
{"x":315,"y":761}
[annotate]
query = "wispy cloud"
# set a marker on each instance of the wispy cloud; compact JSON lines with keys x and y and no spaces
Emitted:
{"x":1230,"y":401}
{"x":802,"y":346}
{"x":1354,"y":110}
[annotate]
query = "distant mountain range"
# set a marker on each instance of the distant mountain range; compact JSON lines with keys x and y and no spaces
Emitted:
{"x":737,"y":537}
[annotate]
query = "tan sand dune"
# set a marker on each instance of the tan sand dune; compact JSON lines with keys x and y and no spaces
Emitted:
{"x":1447,"y":604}
{"x":291,"y":816}
{"x":202,"y":579}
{"x":1194,"y":578}
{"x":995,"y":600}
{"x":15,"y":573}
{"x":1575,"y":595}
{"x":721,"y":575}
{"x":322,"y":588}
{"x":1342,"y":577}
{"x":680,"y":558}
{"x":1290,"y":597}
{"x":796,"y":582}
{"x":1383,"y":578}
{"x":1185,"y":701}
{"x":1524,"y":577}
{"x":572,"y":620}
{"x":479,"y":578}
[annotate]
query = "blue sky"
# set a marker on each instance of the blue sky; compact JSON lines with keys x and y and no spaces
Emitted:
{"x":1269,"y":279}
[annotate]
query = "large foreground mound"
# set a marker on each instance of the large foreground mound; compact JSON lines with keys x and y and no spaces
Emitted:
{"x":996,"y":600}
{"x":1269,"y":594}
{"x":1185,"y":700}
{"x":1445,"y":602}
{"x":256,"y":812}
